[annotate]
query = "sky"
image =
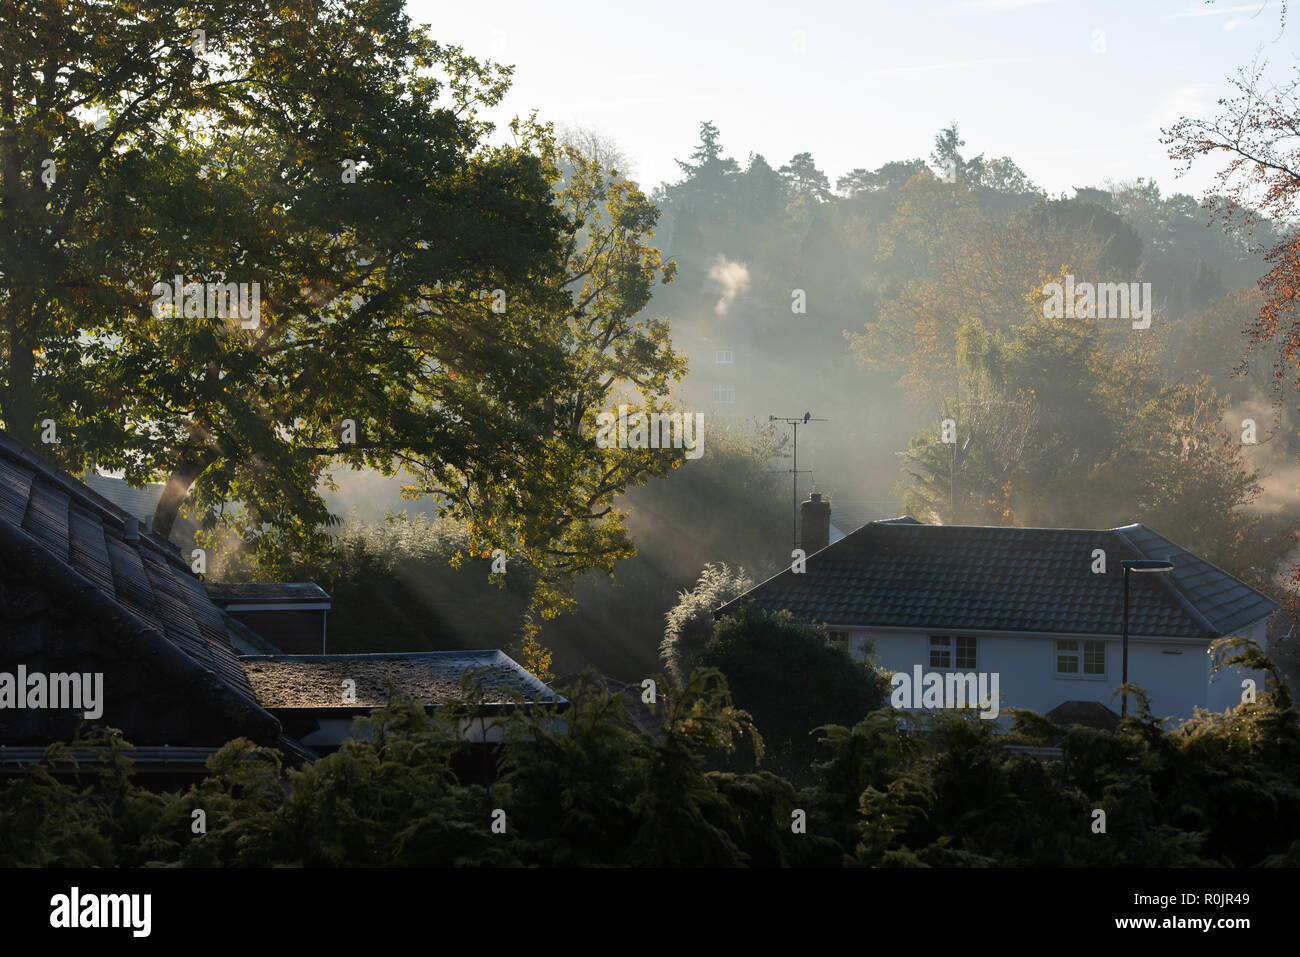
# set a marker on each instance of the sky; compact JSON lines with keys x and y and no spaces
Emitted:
{"x":1075,"y":91}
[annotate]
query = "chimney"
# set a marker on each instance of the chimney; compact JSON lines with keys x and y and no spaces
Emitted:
{"x":131,"y":530}
{"x":815,"y":519}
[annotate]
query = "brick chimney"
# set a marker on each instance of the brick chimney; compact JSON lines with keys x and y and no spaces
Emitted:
{"x":815,"y":522}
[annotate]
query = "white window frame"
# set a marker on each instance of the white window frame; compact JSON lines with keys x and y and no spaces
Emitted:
{"x":940,"y":644}
{"x":1079,"y":653}
{"x":719,"y":354}
{"x":948,"y":645}
{"x":727,"y":391}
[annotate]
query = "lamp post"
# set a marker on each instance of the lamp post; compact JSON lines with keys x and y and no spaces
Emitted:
{"x":1135,"y":565}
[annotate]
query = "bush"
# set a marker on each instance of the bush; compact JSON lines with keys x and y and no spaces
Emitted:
{"x":786,"y":675}
{"x":690,"y":622}
{"x":597,"y":785}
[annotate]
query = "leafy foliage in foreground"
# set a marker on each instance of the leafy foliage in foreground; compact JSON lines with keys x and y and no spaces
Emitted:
{"x":791,"y":680}
{"x":610,"y":782}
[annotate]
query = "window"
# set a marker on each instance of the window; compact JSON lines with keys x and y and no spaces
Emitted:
{"x":724,"y":356}
{"x":838,"y":639}
{"x":724,"y":393}
{"x":1081,"y":657}
{"x":943,"y":647}
{"x":966,"y":653}
{"x":940,"y":651}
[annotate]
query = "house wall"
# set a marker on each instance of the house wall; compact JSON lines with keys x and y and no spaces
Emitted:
{"x":330,"y":733}
{"x":294,"y":631}
{"x":1176,"y":674}
{"x":1225,"y":688}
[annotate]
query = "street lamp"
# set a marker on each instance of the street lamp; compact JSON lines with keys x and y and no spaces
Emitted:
{"x":1135,"y":565}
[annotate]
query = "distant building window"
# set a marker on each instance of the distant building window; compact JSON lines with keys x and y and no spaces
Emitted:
{"x":940,"y":651}
{"x":948,"y":652}
{"x":1081,"y":657}
{"x":724,"y":357}
{"x":839,"y":639}
{"x":724,"y":393}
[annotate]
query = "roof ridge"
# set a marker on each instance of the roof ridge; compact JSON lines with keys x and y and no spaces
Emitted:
{"x":916,"y":523}
{"x":1170,"y":584}
{"x":1183,"y":601}
{"x":387,"y":654}
{"x":1219,"y":568}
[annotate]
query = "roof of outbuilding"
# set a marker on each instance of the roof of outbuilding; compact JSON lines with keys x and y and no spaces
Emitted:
{"x":430,"y":678}
{"x":74,"y":589}
{"x":906,"y":574}
{"x":1090,"y":714}
{"x":271,"y":593}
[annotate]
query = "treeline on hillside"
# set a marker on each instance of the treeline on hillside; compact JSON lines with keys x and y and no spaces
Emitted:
{"x":602,"y":790}
{"x":924,"y":285}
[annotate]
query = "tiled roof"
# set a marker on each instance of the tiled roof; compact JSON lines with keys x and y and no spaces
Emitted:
{"x":76,"y":593}
{"x":431,"y":678}
{"x":905,"y":574}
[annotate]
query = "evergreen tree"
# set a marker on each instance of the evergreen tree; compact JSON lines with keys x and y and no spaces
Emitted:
{"x":947,"y":159}
{"x":708,"y":154}
{"x":803,"y":178}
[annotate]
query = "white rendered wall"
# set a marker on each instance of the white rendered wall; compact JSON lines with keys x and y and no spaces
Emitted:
{"x":1176,"y":674}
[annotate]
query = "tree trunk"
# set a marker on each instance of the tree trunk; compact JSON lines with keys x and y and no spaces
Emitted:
{"x":19,"y":406}
{"x":19,"y":403}
{"x":178,"y":487}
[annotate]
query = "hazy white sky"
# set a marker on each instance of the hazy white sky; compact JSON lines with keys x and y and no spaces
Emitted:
{"x":1074,"y":90}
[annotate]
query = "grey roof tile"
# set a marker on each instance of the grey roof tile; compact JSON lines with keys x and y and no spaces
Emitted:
{"x":906,"y":574}
{"x":47,"y":518}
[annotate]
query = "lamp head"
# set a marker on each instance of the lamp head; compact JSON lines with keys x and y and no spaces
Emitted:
{"x":1146,"y":565}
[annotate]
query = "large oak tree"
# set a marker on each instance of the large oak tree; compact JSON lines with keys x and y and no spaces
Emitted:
{"x":417,"y":298}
